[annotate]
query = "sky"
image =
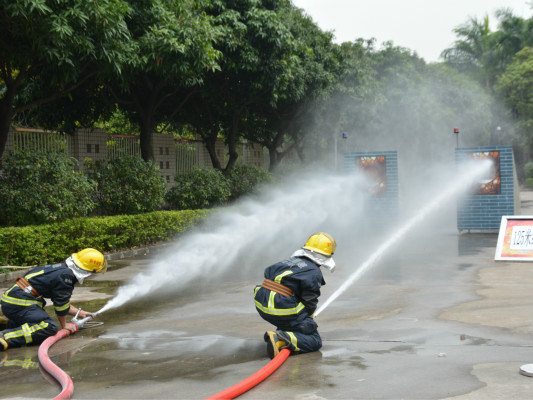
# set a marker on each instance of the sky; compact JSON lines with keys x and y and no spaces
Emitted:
{"x":424,"y":26}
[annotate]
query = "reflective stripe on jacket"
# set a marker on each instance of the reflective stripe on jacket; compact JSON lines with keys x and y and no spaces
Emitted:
{"x":299,"y":274}
{"x":54,"y":281}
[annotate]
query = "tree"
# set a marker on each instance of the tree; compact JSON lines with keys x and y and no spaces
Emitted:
{"x":413,"y":106}
{"x":351,"y":104}
{"x":485,"y":54}
{"x":49,"y":49}
{"x":257,"y":63}
{"x":514,"y":33}
{"x":476,"y":51}
{"x":312,"y":78}
{"x":173,"y":50}
{"x":515,"y":87}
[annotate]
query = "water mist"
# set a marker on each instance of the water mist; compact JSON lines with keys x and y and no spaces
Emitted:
{"x":271,"y":227}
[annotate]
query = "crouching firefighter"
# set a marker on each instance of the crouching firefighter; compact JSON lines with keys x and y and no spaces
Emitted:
{"x":23,"y":304}
{"x":289,"y":295}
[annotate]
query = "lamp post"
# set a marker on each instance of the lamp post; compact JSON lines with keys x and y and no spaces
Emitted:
{"x":344,"y":136}
{"x":456,"y":132}
{"x":336,"y":150}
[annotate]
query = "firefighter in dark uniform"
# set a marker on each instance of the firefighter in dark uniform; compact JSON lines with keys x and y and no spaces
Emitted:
{"x":289,"y":295}
{"x":23,"y":304}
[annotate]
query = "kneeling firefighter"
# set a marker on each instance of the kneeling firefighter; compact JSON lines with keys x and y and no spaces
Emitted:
{"x":289,"y":295}
{"x":23,"y":304}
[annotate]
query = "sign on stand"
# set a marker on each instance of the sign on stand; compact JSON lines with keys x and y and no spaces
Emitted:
{"x":515,"y":240}
{"x":515,"y":243}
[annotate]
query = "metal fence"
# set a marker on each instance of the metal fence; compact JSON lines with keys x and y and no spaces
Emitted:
{"x":98,"y":145}
{"x":121,"y":145}
{"x":36,"y":139}
{"x":186,"y":155}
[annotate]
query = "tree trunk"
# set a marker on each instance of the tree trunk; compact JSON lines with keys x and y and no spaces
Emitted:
{"x":271,"y":159}
{"x":232,"y":142}
{"x":6,"y":116}
{"x":145,"y":106}
{"x":276,"y":143}
{"x":274,"y":158}
{"x":210,"y":143}
{"x":145,"y":139}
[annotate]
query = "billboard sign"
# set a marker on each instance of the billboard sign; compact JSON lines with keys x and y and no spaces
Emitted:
{"x":515,"y":240}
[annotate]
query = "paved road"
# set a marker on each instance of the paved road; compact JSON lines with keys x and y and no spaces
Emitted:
{"x":436,"y":320}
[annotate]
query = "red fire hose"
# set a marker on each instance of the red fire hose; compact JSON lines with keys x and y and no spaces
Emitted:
{"x":63,"y":379}
{"x":230,"y":393}
{"x":254,"y":380}
{"x":52,"y":369}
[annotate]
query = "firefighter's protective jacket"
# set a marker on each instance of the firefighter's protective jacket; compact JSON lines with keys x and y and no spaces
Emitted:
{"x":303,"y":277}
{"x":54,"y":282}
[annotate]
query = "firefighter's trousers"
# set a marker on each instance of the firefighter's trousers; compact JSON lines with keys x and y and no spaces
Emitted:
{"x":27,"y":325}
{"x":302,"y":330}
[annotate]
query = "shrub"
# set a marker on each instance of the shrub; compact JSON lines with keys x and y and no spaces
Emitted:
{"x":44,"y":244}
{"x":528,"y":169}
{"x":127,"y":185}
{"x":200,"y":188}
{"x":246,"y":179}
{"x":41,"y":187}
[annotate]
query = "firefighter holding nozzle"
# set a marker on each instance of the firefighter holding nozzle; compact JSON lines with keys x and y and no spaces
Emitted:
{"x":288,"y":297}
{"x":23,"y":304}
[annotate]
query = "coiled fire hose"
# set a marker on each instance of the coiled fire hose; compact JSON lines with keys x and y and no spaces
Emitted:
{"x":254,"y":380}
{"x":61,"y":376}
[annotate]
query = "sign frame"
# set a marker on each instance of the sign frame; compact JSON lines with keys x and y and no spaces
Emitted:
{"x":514,"y":225}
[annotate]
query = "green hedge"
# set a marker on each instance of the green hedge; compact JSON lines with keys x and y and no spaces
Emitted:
{"x":44,"y":244}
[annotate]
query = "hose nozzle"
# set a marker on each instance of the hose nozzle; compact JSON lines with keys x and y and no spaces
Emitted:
{"x":80,"y":322}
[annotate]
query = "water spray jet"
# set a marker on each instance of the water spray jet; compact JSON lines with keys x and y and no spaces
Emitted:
{"x":477,"y":169}
{"x":245,"y":228}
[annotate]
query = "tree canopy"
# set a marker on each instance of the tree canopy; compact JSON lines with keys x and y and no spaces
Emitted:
{"x":49,"y":49}
{"x":500,"y":61}
{"x":259,"y":70}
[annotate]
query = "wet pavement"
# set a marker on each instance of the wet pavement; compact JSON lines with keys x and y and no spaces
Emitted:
{"x":439,"y":320}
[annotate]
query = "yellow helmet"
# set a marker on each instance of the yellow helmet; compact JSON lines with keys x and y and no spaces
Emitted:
{"x":322,"y":243}
{"x":90,"y":260}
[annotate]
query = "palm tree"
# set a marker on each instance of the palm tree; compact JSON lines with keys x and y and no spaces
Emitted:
{"x":476,"y":52}
{"x":514,"y":33}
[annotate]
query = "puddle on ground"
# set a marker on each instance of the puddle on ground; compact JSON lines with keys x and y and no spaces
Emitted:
{"x":106,"y":284}
{"x":354,"y":362}
{"x":396,"y":349}
{"x":452,"y":339}
{"x":474,"y":243}
{"x":342,"y":356}
{"x":108,"y":359}
{"x":476,"y":341}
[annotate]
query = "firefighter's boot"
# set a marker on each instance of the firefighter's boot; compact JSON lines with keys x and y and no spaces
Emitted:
{"x":3,"y":343}
{"x":284,"y":336}
{"x":274,"y":343}
{"x":3,"y":322}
